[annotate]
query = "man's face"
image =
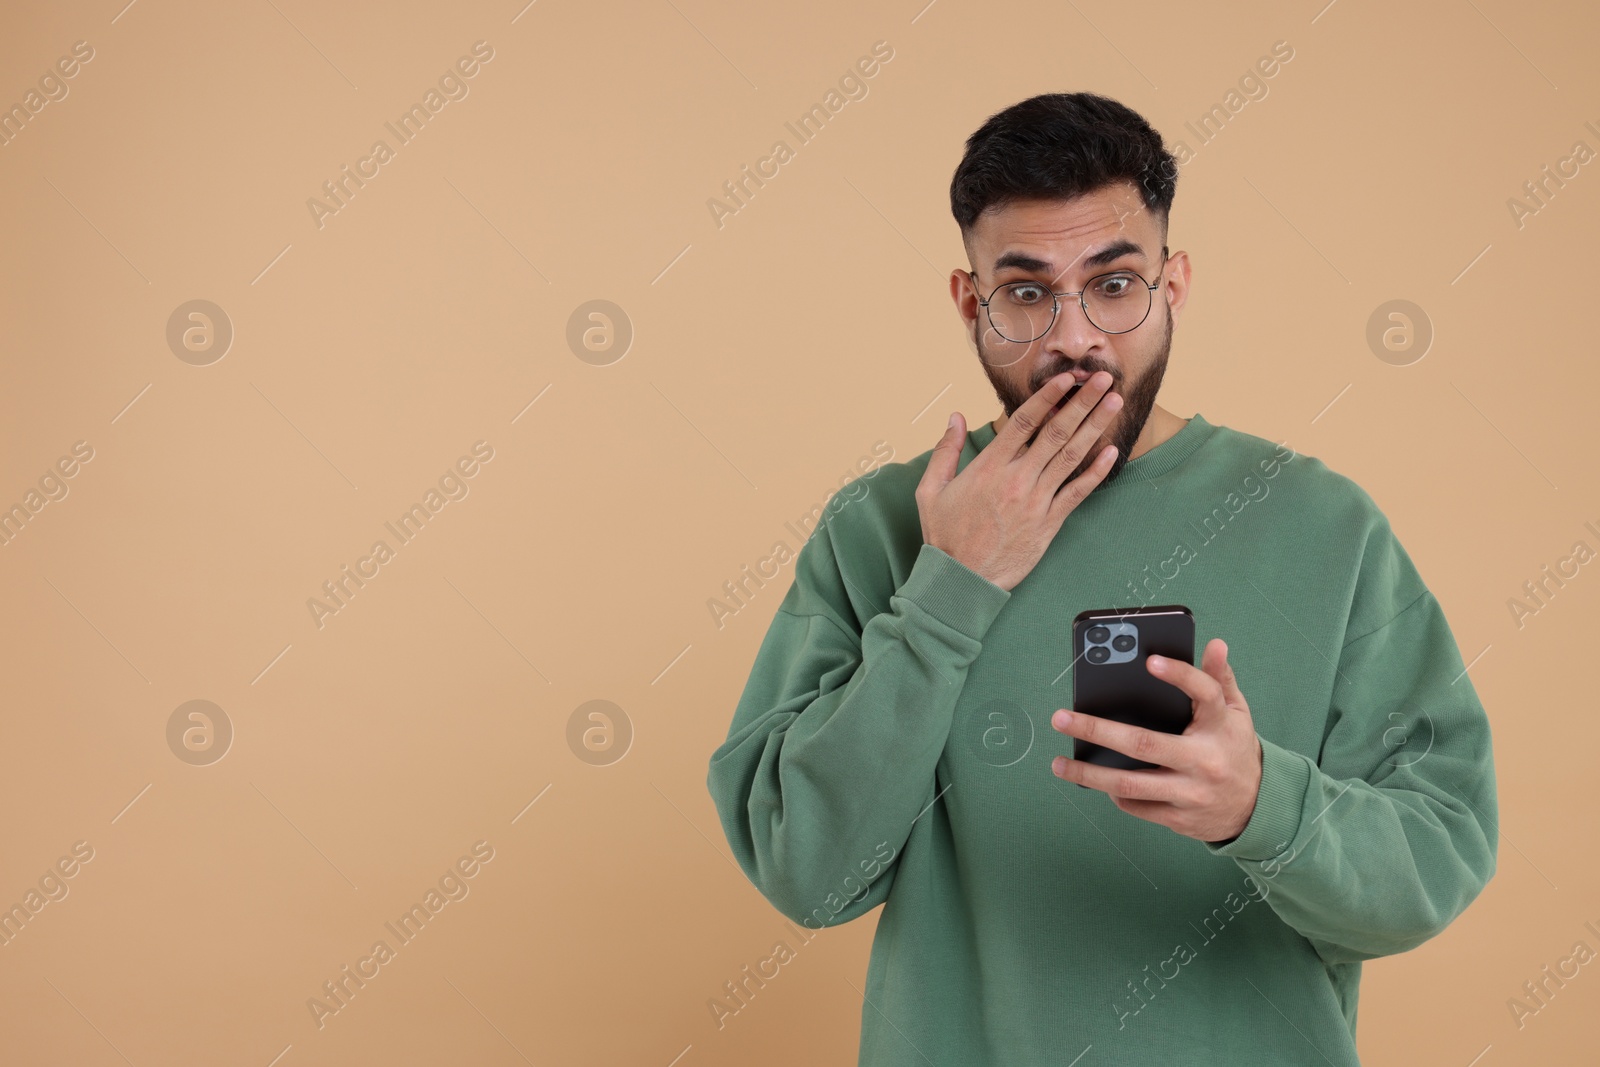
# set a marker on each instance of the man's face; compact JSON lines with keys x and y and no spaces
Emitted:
{"x":1063,"y":244}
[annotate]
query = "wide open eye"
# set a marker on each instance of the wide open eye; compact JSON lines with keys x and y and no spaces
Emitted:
{"x":1025,"y":294}
{"x":1115,"y":286}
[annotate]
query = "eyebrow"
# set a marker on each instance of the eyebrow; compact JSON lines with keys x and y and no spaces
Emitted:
{"x":1111,"y":252}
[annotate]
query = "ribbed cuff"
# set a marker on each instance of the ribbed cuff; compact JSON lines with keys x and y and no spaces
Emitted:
{"x":1285,"y":776}
{"x":953,"y":593}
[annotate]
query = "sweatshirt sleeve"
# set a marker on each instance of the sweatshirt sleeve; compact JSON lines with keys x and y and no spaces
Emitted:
{"x":834,"y":741}
{"x":1377,"y":844}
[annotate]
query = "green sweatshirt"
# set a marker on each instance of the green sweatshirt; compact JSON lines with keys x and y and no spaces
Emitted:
{"x":893,"y":746}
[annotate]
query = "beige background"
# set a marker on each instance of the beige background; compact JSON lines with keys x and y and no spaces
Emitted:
{"x":768,"y":356}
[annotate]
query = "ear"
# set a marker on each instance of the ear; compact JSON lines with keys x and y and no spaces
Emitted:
{"x":1175,"y":283}
{"x":964,"y":294}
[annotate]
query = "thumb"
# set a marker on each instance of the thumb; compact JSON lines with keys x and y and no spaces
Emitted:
{"x":942,"y":464}
{"x":1215,"y":663}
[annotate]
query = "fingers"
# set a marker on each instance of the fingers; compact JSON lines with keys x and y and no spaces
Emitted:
{"x":941,"y":467}
{"x":1152,"y":746}
{"x":1073,"y":493}
{"x":1035,"y":412}
{"x":1202,"y":687}
{"x":1072,"y":432}
{"x":1152,"y":785}
{"x":1093,"y":403}
{"x":1214,"y":664}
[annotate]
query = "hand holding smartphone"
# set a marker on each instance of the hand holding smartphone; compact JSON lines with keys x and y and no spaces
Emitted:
{"x":1111,"y":681}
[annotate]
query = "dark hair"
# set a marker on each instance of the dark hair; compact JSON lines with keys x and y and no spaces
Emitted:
{"x":1060,"y":146}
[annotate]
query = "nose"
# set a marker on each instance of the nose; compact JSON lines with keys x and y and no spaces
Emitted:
{"x":1072,"y":323}
{"x":1072,"y":333}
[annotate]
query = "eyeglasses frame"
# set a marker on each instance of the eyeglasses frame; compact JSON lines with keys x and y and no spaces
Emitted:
{"x":1055,"y":299}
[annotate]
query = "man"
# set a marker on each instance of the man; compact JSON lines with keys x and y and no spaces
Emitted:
{"x":904,"y":739}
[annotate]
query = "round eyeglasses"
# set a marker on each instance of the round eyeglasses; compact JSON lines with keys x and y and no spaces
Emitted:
{"x":1116,"y":302}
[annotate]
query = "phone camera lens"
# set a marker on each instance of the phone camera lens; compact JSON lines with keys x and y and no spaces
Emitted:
{"x":1097,"y":654}
{"x":1098,"y":634}
{"x":1122,"y":642}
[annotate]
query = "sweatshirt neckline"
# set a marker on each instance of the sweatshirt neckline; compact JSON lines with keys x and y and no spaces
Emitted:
{"x":1158,"y":461}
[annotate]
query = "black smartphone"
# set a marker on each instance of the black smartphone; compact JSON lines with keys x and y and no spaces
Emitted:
{"x":1110,"y":679}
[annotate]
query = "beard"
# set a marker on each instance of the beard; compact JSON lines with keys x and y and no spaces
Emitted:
{"x":1137,"y":400}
